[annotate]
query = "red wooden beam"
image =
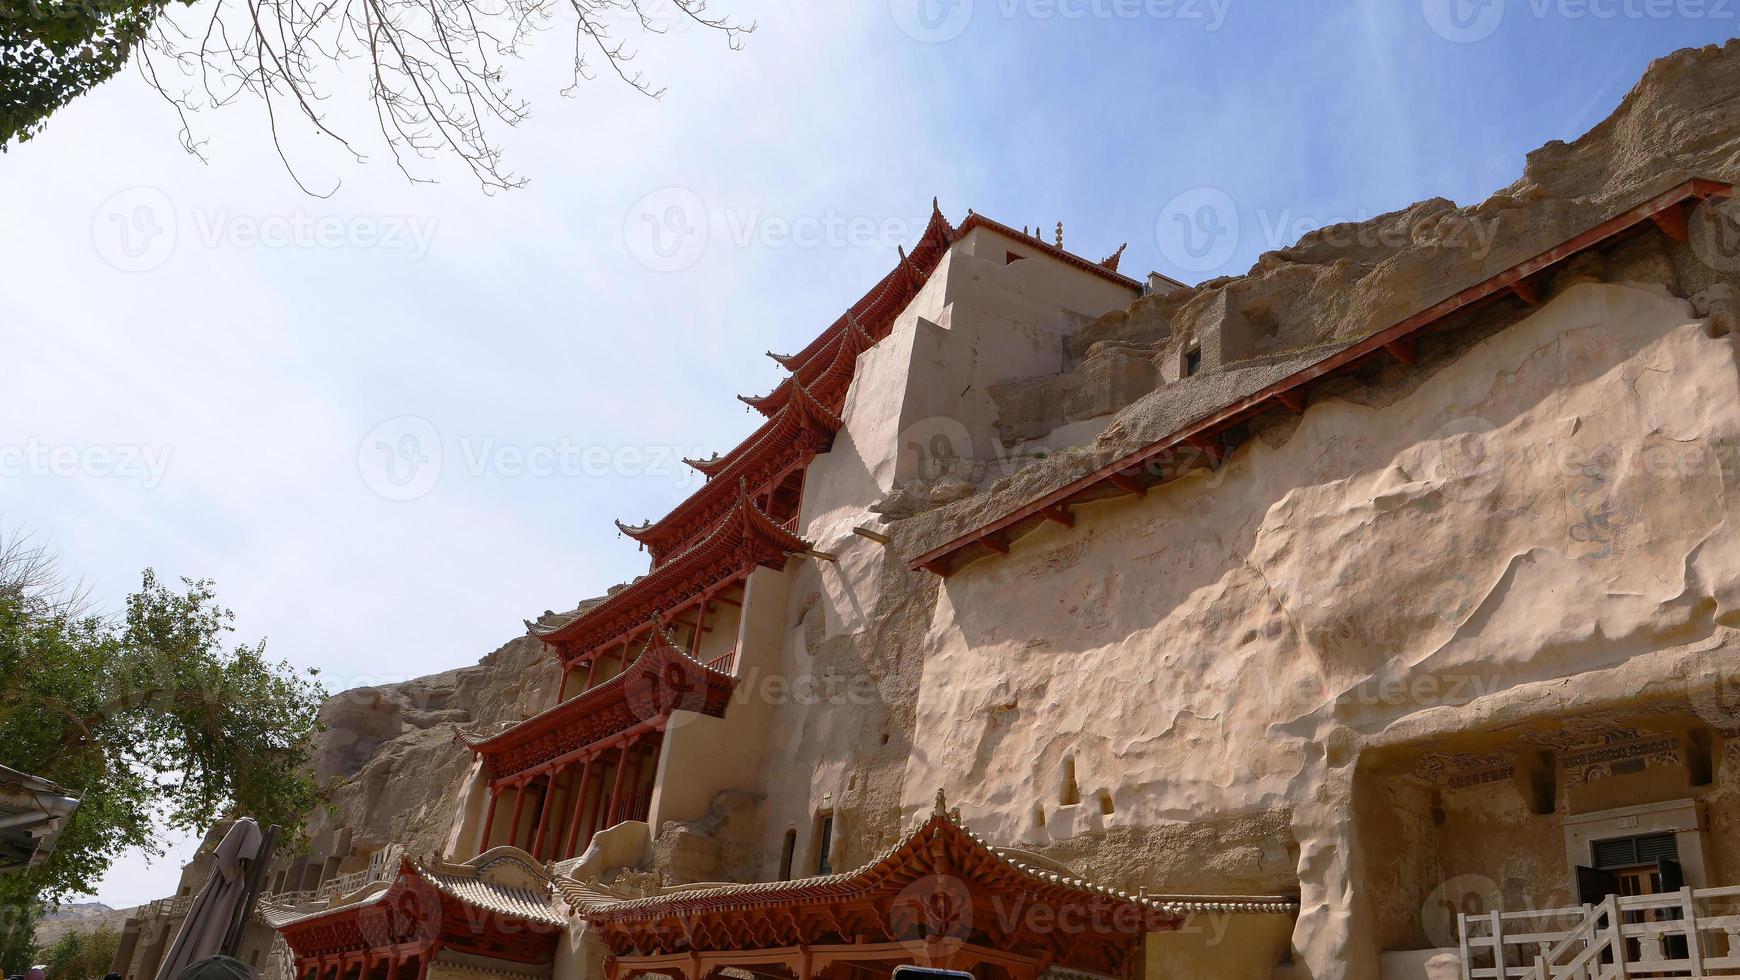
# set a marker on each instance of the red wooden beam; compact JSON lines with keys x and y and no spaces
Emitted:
{"x":1527,"y":290}
{"x":1402,"y":348}
{"x":1128,"y":484}
{"x":1293,"y":398}
{"x":940,"y":559}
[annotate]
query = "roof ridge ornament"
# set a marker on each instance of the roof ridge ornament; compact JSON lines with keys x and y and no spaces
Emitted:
{"x":912,"y":270}
{"x":1111,"y":261}
{"x":706,"y":467}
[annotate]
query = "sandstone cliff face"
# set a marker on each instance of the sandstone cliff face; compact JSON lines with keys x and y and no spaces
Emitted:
{"x":1534,"y":524}
{"x":1178,"y":693}
{"x":388,"y":753}
{"x":1343,"y":282}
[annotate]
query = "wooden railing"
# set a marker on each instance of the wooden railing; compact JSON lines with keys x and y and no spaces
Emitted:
{"x":725,"y":663}
{"x":1691,"y":933}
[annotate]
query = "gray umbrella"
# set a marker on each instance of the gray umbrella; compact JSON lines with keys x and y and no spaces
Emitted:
{"x":214,"y":908}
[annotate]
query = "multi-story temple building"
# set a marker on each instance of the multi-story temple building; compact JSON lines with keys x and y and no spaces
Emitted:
{"x":1370,"y":615}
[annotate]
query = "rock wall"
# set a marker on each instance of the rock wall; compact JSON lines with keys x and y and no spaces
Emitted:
{"x":389,"y":758}
{"x":1183,"y":692}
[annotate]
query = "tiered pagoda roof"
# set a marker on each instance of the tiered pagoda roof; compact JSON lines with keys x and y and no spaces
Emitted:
{"x":802,"y":429}
{"x":939,"y":887}
{"x":742,"y":537}
{"x":661,"y":680}
{"x":803,"y":410}
{"x":498,"y":905}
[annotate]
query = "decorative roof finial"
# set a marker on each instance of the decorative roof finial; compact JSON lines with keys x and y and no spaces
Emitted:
{"x":942,"y":804}
{"x":1060,"y":234}
{"x":1111,"y":261}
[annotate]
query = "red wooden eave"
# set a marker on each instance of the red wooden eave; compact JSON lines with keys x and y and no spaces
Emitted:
{"x":801,"y":430}
{"x":1105,"y":269}
{"x":1127,"y":474}
{"x":413,"y":918}
{"x":661,"y":680}
{"x":741,"y":539}
{"x":940,"y":884}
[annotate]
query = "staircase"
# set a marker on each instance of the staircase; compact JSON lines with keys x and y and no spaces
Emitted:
{"x":1691,"y":933}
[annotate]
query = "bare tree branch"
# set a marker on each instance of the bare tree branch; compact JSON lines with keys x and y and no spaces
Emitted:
{"x":433,"y":68}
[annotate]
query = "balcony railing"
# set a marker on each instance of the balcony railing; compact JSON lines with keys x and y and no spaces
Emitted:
{"x":176,"y":905}
{"x":1693,"y":933}
{"x":725,"y":663}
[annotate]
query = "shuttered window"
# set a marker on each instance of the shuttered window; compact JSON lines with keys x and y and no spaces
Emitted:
{"x":1627,"y":852}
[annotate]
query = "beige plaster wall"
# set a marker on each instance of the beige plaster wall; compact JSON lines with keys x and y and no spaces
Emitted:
{"x":703,"y":756}
{"x":1216,"y":947}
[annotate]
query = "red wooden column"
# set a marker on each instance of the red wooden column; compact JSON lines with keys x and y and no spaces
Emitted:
{"x":700,"y":623}
{"x":519,"y":804}
{"x":625,"y":806}
{"x":489,"y":819}
{"x":580,"y":791}
{"x":544,"y":813}
{"x":608,"y":806}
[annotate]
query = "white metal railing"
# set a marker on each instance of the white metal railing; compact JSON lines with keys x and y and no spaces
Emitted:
{"x":1693,"y":933}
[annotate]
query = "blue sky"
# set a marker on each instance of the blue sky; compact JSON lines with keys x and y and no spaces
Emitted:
{"x":394,"y":422}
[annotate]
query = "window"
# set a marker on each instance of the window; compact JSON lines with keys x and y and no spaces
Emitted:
{"x":824,"y":844}
{"x":1625,"y":852}
{"x":1192,"y":360}
{"x":785,"y":854}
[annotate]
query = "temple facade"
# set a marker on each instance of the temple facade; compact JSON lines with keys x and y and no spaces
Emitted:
{"x":1178,"y":690}
{"x":1372,"y":615}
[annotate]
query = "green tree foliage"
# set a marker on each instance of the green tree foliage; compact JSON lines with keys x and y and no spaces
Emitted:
{"x":81,"y":955}
{"x":149,"y":716}
{"x":54,"y":50}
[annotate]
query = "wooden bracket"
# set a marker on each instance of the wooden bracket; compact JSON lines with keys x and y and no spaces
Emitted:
{"x":1672,"y":223}
{"x":1059,"y":515}
{"x":1528,"y":290}
{"x":996,"y":543}
{"x":1402,"y":349}
{"x":1293,"y":398}
{"x":866,"y":531}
